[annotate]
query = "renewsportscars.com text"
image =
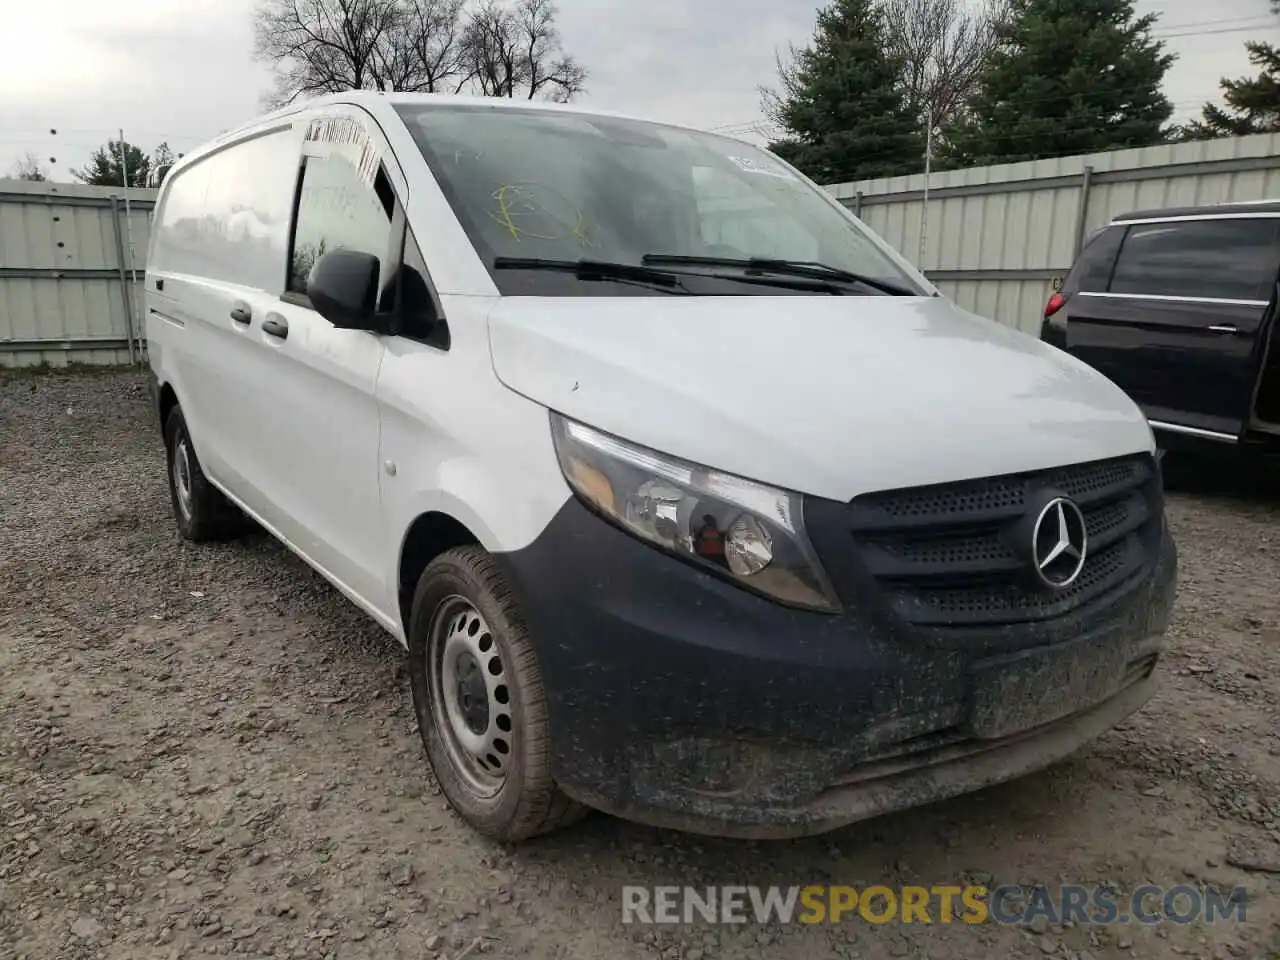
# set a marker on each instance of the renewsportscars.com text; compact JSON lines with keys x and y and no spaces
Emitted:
{"x":1007,"y":904}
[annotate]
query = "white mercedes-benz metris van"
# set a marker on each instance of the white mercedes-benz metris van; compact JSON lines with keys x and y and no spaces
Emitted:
{"x":690,"y":499}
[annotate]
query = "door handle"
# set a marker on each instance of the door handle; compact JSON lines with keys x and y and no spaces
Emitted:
{"x":241,"y":313}
{"x":1224,"y":328}
{"x":276,"y":325}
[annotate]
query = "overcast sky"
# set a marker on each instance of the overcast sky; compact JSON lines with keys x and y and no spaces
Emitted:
{"x":180,"y":70}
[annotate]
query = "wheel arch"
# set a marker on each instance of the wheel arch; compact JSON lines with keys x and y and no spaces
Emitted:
{"x":429,"y":535}
{"x":166,"y":400}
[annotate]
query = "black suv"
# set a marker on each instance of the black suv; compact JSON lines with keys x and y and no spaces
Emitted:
{"x":1177,"y":307}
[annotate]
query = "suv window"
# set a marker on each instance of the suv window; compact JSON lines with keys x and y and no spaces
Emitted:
{"x":338,"y":209}
{"x":1229,"y":259}
{"x":1092,"y":271}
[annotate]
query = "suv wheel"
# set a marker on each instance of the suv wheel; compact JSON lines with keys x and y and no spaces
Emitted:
{"x":200,"y":509}
{"x":478,"y":695}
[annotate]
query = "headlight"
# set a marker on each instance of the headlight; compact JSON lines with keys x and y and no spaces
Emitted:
{"x":747,"y":532}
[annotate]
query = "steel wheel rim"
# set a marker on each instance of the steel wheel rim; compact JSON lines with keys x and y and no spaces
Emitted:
{"x":182,"y":477}
{"x":464,"y":664}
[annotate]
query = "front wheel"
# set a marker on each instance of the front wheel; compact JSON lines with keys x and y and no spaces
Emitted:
{"x":478,"y":695}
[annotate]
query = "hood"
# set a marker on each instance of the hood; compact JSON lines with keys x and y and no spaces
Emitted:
{"x":829,"y":396}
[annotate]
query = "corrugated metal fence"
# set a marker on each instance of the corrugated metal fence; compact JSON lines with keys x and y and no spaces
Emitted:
{"x":71,"y":268}
{"x":997,"y":237}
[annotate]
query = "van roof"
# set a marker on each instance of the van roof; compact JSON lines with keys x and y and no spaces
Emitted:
{"x":375,"y":100}
{"x":366,"y":97}
{"x":377,"y":103}
{"x":1225,"y":209}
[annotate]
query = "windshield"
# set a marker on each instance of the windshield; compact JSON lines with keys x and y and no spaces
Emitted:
{"x":535,"y":184}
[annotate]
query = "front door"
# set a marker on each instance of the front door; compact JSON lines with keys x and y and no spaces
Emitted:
{"x":322,"y":417}
{"x":1178,"y":326}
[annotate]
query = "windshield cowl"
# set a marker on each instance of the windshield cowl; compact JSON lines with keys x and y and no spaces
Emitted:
{"x":764,"y":267}
{"x":793,"y":277}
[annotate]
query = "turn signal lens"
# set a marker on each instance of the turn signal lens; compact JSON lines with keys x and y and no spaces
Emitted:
{"x":1056,"y":303}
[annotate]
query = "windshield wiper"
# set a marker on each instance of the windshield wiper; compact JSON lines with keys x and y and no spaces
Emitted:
{"x":786,"y":268}
{"x":597,"y":270}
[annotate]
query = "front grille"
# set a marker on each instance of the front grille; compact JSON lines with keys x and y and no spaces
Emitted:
{"x":950,"y":556}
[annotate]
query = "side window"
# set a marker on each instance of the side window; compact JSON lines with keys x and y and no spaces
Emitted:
{"x":227,"y":216}
{"x":338,"y":209}
{"x":1229,"y":259}
{"x":247,"y":207}
{"x":415,"y":305}
{"x":180,"y":222}
{"x":1092,"y":270}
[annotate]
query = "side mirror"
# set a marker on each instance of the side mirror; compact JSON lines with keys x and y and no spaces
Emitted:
{"x":156,"y":177}
{"x":343,"y":287}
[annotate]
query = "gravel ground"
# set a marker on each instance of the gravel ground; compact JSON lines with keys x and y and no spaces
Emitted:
{"x":207,"y":750}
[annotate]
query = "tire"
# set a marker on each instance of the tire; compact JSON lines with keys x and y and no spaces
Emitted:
{"x":492,"y":763}
{"x":200,"y":510}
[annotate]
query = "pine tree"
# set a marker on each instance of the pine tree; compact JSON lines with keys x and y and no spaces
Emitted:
{"x":1252,"y":104}
{"x":1073,"y":76}
{"x":104,"y":170}
{"x":841,"y":105}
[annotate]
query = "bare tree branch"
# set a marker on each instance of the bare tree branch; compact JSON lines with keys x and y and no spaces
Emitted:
{"x":501,"y":48}
{"x":942,"y":46}
{"x":29,"y":167}
{"x":790,"y":86}
{"x":492,"y":56}
{"x":430,"y":46}
{"x":545,"y":63}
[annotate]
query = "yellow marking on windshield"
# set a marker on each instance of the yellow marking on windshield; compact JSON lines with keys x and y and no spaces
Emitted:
{"x":519,"y":200}
{"x":510,"y":196}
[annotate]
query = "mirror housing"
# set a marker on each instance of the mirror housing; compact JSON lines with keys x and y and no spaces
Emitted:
{"x":155,"y":178}
{"x":343,"y":288}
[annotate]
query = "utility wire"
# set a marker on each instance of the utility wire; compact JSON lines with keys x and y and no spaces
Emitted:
{"x":1165,"y":32}
{"x":743,"y":126}
{"x":1260,"y":20}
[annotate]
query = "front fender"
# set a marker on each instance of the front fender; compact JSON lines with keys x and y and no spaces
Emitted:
{"x":493,"y":507}
{"x":458,"y":442}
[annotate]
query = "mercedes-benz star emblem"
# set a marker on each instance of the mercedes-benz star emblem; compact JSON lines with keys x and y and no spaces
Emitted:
{"x":1059,"y":543}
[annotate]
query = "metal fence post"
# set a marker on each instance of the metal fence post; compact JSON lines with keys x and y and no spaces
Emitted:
{"x":126,"y":295}
{"x":857,"y":204}
{"x":1082,"y":214}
